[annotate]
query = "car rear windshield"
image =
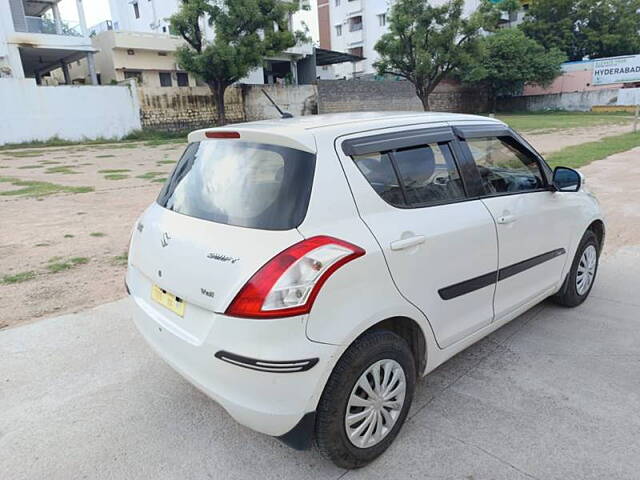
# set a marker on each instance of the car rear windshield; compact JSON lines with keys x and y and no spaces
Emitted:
{"x":241,"y":183}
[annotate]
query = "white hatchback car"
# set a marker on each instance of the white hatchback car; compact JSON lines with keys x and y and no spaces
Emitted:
{"x":305,"y":272}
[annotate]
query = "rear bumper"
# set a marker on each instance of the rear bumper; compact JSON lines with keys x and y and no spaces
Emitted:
{"x":271,"y":402}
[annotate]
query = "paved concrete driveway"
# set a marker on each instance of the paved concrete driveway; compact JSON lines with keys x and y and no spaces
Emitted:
{"x":553,"y":395}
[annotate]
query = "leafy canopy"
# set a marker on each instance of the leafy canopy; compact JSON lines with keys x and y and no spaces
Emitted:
{"x":424,"y":42}
{"x":509,"y":60}
{"x":244,"y":32}
{"x":585,"y":28}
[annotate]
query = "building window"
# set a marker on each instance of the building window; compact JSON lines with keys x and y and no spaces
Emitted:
{"x":137,"y":76}
{"x":136,"y":10}
{"x":338,"y":30}
{"x":337,"y":3}
{"x":131,"y":52}
{"x":382,"y":19}
{"x":183,"y":79}
{"x":164,"y":29}
{"x":162,"y":54}
{"x":357,"y":51}
{"x":355,"y":23}
{"x":165,"y":79}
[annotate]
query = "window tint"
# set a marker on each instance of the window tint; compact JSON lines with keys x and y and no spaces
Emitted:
{"x":241,"y":183}
{"x":428,"y":175}
{"x":503,"y":168}
{"x":377,"y":169}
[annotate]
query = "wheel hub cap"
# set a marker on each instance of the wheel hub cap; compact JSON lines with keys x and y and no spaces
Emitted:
{"x":586,"y":270}
{"x":375,"y":403}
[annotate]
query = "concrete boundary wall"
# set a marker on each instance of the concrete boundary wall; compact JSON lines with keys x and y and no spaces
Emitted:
{"x":187,"y":108}
{"x":30,"y":112}
{"x":361,"y":95}
{"x":573,"y":101}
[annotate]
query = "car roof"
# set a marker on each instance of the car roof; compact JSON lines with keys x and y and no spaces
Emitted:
{"x":311,"y":122}
{"x":301,"y":128}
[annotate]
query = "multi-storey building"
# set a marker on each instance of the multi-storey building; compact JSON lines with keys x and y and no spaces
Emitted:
{"x":148,"y":58}
{"x":354,"y":26}
{"x":152,"y":16}
{"x":34,"y":40}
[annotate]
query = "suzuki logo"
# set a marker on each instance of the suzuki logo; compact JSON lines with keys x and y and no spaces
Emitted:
{"x":164,"y":240}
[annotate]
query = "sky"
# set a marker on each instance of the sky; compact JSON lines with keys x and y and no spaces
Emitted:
{"x":97,"y":11}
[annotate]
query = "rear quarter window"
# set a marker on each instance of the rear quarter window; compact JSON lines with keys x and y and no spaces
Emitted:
{"x":241,"y":183}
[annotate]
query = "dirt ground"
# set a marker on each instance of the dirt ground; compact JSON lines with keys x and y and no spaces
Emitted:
{"x":71,"y":246}
{"x":552,"y":141}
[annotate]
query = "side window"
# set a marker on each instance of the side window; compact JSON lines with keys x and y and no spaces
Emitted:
{"x":429,"y":174}
{"x":504,"y":168}
{"x":415,"y":177}
{"x":377,"y":169}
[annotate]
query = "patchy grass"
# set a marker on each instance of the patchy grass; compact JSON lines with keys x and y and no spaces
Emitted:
{"x":38,"y":189}
{"x":117,"y":145}
{"x":57,"y":264}
{"x":165,"y":162}
{"x":105,"y":156}
{"x":535,"y":121}
{"x":17,"y":278}
{"x":26,"y":167}
{"x":41,"y":245}
{"x":49,"y":162}
{"x":159,"y":180}
{"x":139,"y":135}
{"x":115,"y":170}
{"x":121,"y":259}
{"x":64,"y":169}
{"x":25,"y":153}
{"x":116,"y":176}
{"x":98,"y":234}
{"x":68,"y":235}
{"x":150,"y":175}
{"x":580,"y":155}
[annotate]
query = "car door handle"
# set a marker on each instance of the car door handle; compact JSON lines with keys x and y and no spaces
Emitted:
{"x":407,"y":242}
{"x":506,"y":219}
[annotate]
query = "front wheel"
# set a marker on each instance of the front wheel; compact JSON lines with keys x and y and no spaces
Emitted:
{"x":366,"y":399}
{"x":583,"y":271}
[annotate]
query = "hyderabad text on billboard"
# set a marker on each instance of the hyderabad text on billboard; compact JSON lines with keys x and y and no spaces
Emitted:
{"x":616,"y":70}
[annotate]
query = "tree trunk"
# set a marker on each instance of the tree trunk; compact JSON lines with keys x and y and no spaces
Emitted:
{"x":218,"y":89}
{"x":494,"y":102}
{"x":424,"y":98}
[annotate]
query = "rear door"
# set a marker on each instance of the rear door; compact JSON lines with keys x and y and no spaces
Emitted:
{"x":533,"y":223}
{"x":440,"y":245}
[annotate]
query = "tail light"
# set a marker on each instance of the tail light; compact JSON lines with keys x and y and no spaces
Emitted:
{"x":288,"y":284}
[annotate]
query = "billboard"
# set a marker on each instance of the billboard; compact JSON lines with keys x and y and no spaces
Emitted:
{"x":616,"y":70}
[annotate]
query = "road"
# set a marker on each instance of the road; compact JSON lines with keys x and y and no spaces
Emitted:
{"x":555,"y":394}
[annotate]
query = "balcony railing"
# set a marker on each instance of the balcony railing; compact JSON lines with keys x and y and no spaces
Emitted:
{"x":48,"y":26}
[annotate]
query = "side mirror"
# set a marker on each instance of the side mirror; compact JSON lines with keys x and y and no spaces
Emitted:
{"x":566,"y":179}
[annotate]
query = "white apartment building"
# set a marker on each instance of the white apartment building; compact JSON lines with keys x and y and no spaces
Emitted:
{"x":152,"y":16}
{"x":34,"y":40}
{"x":354,"y":26}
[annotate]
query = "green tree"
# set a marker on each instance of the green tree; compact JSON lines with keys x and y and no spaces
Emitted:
{"x":509,"y":60}
{"x":244,"y":32}
{"x":425,"y":43}
{"x":585,"y":28}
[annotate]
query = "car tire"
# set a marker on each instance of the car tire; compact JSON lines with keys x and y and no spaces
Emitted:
{"x":389,"y":357}
{"x":585,"y":265}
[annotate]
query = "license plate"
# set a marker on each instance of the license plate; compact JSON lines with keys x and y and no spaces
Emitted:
{"x":168,"y":300}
